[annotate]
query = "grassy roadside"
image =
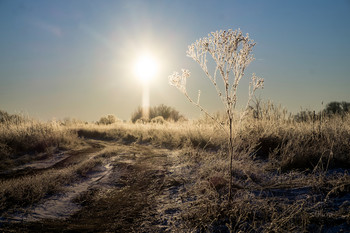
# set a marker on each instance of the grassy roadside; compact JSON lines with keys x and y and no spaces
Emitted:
{"x":23,"y":140}
{"x":289,"y":144}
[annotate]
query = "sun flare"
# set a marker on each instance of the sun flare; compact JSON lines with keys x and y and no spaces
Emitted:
{"x":145,"y":67}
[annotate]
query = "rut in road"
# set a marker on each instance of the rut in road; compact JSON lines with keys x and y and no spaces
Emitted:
{"x":134,"y":186}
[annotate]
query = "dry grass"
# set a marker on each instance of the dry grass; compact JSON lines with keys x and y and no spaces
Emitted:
{"x":289,"y":144}
{"x":27,"y":190}
{"x":169,"y":135}
{"x":264,"y":200}
{"x":21,"y":141}
{"x":288,"y":176}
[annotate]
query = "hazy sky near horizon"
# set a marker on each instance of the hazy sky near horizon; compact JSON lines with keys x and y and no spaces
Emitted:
{"x":74,"y":58}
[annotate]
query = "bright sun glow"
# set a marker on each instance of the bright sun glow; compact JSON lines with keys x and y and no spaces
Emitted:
{"x":145,"y":68}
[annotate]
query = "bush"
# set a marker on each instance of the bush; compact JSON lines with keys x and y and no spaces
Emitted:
{"x":107,"y":120}
{"x":158,"y":120}
{"x":340,"y":108}
{"x":166,"y":112}
{"x":137,"y":115}
{"x":72,"y":122}
{"x":142,"y":120}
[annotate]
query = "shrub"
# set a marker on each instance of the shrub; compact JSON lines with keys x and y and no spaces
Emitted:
{"x":158,"y":120}
{"x":142,"y":120}
{"x":136,"y":115}
{"x":72,"y":121}
{"x":337,"y":108}
{"x":166,"y":112}
{"x":107,"y":120}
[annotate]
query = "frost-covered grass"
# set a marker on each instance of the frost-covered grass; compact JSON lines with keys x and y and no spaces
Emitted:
{"x":285,"y":142}
{"x":21,"y":140}
{"x":287,"y":176}
{"x":25,"y":190}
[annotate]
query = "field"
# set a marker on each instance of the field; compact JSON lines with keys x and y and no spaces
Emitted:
{"x":288,"y":176}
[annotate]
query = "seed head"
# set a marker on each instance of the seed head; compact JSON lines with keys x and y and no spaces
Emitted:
{"x":179,"y":81}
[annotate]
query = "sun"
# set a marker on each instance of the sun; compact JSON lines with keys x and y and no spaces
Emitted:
{"x":145,"y":67}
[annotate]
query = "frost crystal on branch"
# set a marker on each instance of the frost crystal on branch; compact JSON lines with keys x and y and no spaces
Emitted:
{"x":256,"y":82}
{"x":231,"y":52}
{"x":199,"y":96}
{"x":179,"y":81}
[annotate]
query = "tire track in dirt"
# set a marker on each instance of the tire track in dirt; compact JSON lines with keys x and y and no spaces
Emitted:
{"x":128,"y":192}
{"x":60,"y":205}
{"x":140,"y":200}
{"x":60,"y":160}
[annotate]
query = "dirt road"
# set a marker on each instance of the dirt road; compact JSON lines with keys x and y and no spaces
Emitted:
{"x":132,"y":188}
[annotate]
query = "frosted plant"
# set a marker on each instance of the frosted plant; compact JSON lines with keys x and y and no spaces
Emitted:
{"x":231,"y":52}
{"x":179,"y":81}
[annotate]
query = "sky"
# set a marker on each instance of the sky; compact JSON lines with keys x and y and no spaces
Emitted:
{"x":75,"y":59}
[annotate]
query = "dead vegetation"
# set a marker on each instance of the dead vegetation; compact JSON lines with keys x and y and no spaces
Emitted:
{"x":288,"y":176}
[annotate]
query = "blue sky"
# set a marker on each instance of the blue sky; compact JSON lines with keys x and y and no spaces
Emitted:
{"x":74,"y":58}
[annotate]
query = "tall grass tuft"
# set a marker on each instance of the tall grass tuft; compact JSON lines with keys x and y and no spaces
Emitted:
{"x":20,"y":135}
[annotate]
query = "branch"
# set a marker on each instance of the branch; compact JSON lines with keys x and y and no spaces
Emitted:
{"x":206,"y":112}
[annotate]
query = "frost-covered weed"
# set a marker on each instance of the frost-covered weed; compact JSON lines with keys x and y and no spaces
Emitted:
{"x":231,"y":52}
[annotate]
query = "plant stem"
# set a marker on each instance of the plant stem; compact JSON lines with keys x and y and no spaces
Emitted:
{"x":231,"y":158}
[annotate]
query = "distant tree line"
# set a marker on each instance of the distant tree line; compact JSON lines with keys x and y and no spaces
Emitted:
{"x":268,"y":110}
{"x":333,"y":108}
{"x":337,"y":107}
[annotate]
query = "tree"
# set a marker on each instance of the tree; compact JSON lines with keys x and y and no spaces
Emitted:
{"x":345,"y":106}
{"x":231,"y":52}
{"x":168,"y":113}
{"x":136,"y":115}
{"x":335,"y":107}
